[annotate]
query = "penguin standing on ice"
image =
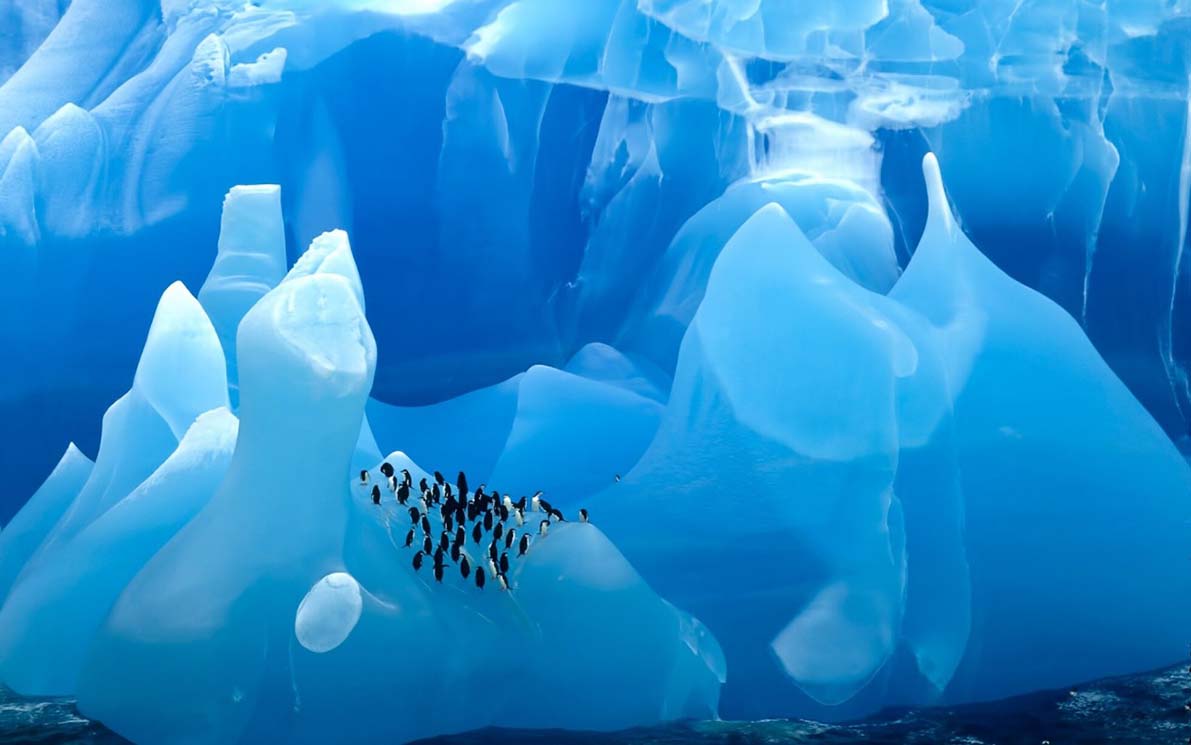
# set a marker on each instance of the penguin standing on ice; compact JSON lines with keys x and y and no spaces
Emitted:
{"x":504,"y":563}
{"x":444,"y":541}
{"x":520,"y":504}
{"x":376,"y":494}
{"x":409,"y":538}
{"x":582,"y":515}
{"x":438,"y":479}
{"x":492,"y":551}
{"x":460,"y":535}
{"x":510,"y":537}
{"x":423,"y":486}
{"x":480,"y":577}
{"x":418,"y":561}
{"x":461,"y":482}
{"x":425,"y":525}
{"x":504,"y":513}
{"x":455,"y":551}
{"x":387,"y":469}
{"x":477,"y":532}
{"x":406,"y":478}
{"x":507,"y":502}
{"x":504,"y":582}
{"x":427,"y":545}
{"x":520,"y":515}
{"x":487,"y":521}
{"x":498,"y":531}
{"x":414,"y":515}
{"x":544,"y":527}
{"x":439,"y":566}
{"x":402,"y":493}
{"x":536,"y":502}
{"x":523,"y":546}
{"x":364,"y":477}
{"x":464,"y":567}
{"x":545,"y":506}
{"x":492,"y":567}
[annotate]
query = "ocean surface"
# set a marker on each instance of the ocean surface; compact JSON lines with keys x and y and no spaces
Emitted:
{"x":1142,"y":709}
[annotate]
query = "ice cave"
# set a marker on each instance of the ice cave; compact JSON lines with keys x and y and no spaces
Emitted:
{"x":399,"y":370}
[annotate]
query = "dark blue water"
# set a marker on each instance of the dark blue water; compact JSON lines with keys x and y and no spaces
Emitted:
{"x":1142,"y":709}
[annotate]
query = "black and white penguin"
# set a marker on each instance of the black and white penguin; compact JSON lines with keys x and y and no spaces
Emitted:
{"x":617,"y":477}
{"x":409,"y":538}
{"x":464,"y":566}
{"x":535,"y":502}
{"x":504,"y":513}
{"x":460,"y":515}
{"x":438,"y":479}
{"x":480,"y":577}
{"x":427,"y":545}
{"x":402,"y":493}
{"x":472,"y":511}
{"x":438,"y":572}
{"x":447,"y":523}
{"x":414,"y":515}
{"x":507,"y":502}
{"x":460,"y":535}
{"x":393,"y":484}
{"x":477,"y":532}
{"x":455,"y":551}
{"x":435,"y":493}
{"x":556,"y":515}
{"x":582,"y":515}
{"x":387,"y":469}
{"x":423,"y":486}
{"x":487,"y":521}
{"x":444,"y":541}
{"x":520,"y":504}
{"x":504,"y":581}
{"x":461,"y":482}
{"x":406,"y":478}
{"x":520,"y":515}
{"x":544,"y":527}
{"x":447,"y":493}
{"x":523,"y":546}
{"x":493,"y":553}
{"x":425,"y":525}
{"x":418,"y":561}
{"x":492,"y":567}
{"x":504,"y":563}
{"x":363,"y":476}
{"x":510,"y":537}
{"x":375,"y":494}
{"x":545,"y":506}
{"x":497,"y":531}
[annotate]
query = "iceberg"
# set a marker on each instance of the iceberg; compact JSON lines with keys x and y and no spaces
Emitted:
{"x":847,"y":438}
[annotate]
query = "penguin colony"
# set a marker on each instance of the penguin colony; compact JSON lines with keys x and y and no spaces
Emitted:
{"x":481,"y":534}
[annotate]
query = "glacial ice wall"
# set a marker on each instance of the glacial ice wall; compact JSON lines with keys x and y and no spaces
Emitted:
{"x":588,"y":144}
{"x":675,"y":253}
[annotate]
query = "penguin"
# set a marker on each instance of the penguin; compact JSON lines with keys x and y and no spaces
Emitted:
{"x":544,"y":527}
{"x":504,"y":563}
{"x":409,"y":538}
{"x":556,"y":514}
{"x":455,"y":551}
{"x":427,"y":545}
{"x":375,"y":494}
{"x":464,"y":567}
{"x":448,"y":524}
{"x":438,"y":479}
{"x":492,"y":568}
{"x":504,"y":582}
{"x":582,"y":515}
{"x":444,"y":541}
{"x":414,"y":515}
{"x":504,"y":513}
{"x":480,"y":577}
{"x":492,"y":552}
{"x":523,"y":546}
{"x":387,"y":469}
{"x":460,"y":515}
{"x":438,"y":572}
{"x":510,"y":537}
{"x":406,"y":478}
{"x":402,"y":493}
{"x":435,"y":493}
{"x":507,"y":502}
{"x":520,"y":515}
{"x":545,"y":506}
{"x":536,"y":501}
{"x":472,"y":511}
{"x":477,"y":532}
{"x":446,"y":490}
{"x":461,"y":482}
{"x":460,"y":535}
{"x":425,"y":525}
{"x":617,"y":477}
{"x":418,"y":561}
{"x":364,"y":477}
{"x":392,"y":484}
{"x":498,"y":531}
{"x":487,"y":521}
{"x":520,"y":503}
{"x":423,"y":486}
